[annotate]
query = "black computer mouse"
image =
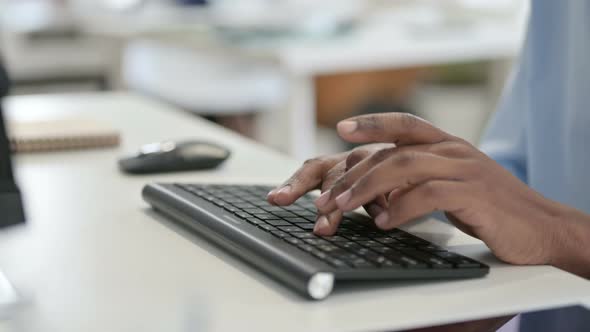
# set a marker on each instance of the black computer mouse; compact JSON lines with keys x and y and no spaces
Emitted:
{"x":170,"y":156}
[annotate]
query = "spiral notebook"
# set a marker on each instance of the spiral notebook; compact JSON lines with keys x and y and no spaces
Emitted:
{"x":61,"y":134}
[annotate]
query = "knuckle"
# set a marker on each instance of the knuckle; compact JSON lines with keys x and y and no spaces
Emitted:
{"x":340,"y":183}
{"x":404,"y":159}
{"x":455,"y":149}
{"x":355,"y":157}
{"x":333,"y":174}
{"x":313,"y":162}
{"x":380,"y":155}
{"x":311,"y":170}
{"x":408,"y":121}
{"x":363,"y":183}
{"x":294,"y":180}
{"x":430,"y":190}
{"x":474,"y":169}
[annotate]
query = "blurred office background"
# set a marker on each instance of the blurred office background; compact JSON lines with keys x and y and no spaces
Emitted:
{"x":280,"y":71}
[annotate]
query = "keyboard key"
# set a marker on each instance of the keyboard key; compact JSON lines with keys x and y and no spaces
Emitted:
{"x":290,"y":229}
{"x":305,"y":247}
{"x":244,"y":215}
{"x":297,"y":210}
{"x":218,"y":202}
{"x":335,"y":238}
{"x":406,"y":260}
{"x":360,"y":263}
{"x":304,"y":235}
{"x":382,"y":250}
{"x":458,"y":260}
{"x":307,"y":227}
{"x":209,"y":198}
{"x":318,"y":253}
{"x":244,"y":206}
{"x":359,"y":218}
{"x":336,"y":263}
{"x":255,"y":211}
{"x":356,"y":238}
{"x":370,"y":243}
{"x":349,"y":245}
{"x":277,"y":222}
{"x":328,"y":247}
{"x":231,"y":208}
{"x":433,"y":261}
{"x":415,"y":242}
{"x":267,"y":216}
{"x":284,"y":214}
{"x":357,"y":227}
{"x":431,"y":248}
{"x":382,"y":260}
{"x":345,"y":256}
{"x":279,"y":234}
{"x":271,"y":208}
{"x":389,"y":264}
{"x":297,"y":220}
{"x":399,"y":246}
{"x":372,"y":256}
{"x":308,"y":214}
{"x":385,"y":240}
{"x":233,"y":200}
{"x":362,"y":251}
{"x":255,"y":221}
{"x":267,"y":227}
{"x":293,"y":240}
{"x":316,"y":242}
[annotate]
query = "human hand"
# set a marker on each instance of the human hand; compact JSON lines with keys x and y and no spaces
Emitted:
{"x":321,"y":173}
{"x":431,"y":170}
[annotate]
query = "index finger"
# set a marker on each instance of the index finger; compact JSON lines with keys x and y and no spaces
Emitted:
{"x":397,"y":128}
{"x":307,"y":178}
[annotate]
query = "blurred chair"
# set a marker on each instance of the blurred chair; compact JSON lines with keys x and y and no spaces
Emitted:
{"x":208,"y":84}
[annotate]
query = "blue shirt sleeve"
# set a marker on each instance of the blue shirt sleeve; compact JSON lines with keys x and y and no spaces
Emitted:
{"x":505,"y":137}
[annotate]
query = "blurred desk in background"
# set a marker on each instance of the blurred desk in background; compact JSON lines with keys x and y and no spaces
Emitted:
{"x":93,"y":257}
{"x":384,"y":39}
{"x":42,"y":44}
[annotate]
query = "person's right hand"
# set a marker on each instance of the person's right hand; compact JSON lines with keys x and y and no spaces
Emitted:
{"x":321,"y":173}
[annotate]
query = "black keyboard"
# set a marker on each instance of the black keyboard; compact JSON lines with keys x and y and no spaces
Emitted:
{"x":358,"y":251}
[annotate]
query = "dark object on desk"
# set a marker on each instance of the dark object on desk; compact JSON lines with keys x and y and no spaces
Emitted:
{"x":193,"y":2}
{"x":11,"y":207}
{"x":279,"y":240}
{"x":169,"y":156}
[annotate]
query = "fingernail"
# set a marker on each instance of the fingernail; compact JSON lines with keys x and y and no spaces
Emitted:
{"x":343,"y":198}
{"x":347,"y":127}
{"x":323,"y":199}
{"x":382,"y":220}
{"x":321,"y":224}
{"x":285,"y":190}
{"x":272,"y":192}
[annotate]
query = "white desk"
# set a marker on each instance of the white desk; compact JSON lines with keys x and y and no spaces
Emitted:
{"x":383,"y":40}
{"x":94,"y":258}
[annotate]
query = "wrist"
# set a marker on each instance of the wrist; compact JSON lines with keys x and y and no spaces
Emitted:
{"x":569,"y":233}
